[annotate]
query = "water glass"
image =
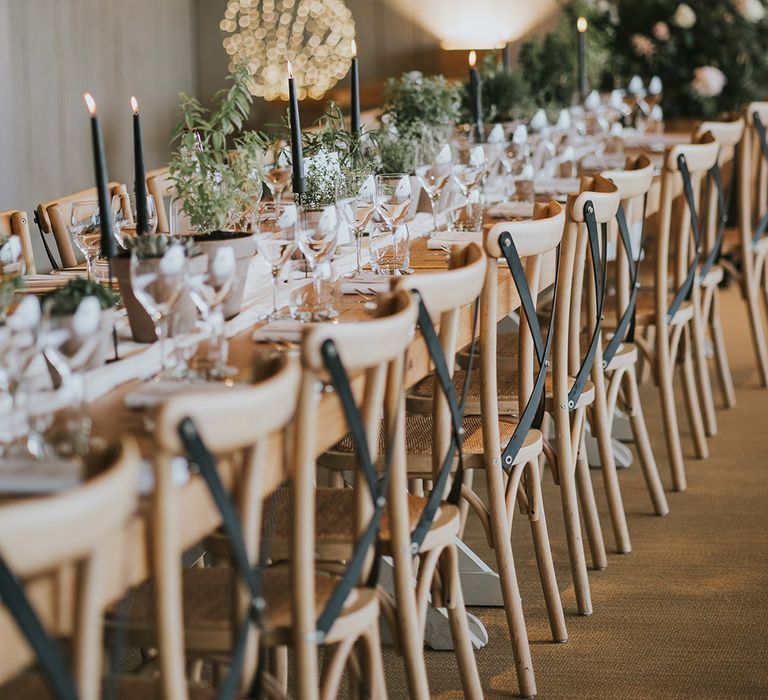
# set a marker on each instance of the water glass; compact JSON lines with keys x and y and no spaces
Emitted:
{"x":465,"y":211}
{"x":85,"y":229}
{"x":389,"y":247}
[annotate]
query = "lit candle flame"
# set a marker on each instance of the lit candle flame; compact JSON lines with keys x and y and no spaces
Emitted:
{"x":581,"y":24}
{"x":290,"y":69}
{"x":90,"y":103}
{"x":354,"y":49}
{"x":135,"y":105}
{"x":472,"y":59}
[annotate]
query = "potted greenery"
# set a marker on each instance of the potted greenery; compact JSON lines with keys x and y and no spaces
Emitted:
{"x":62,"y":304}
{"x":418,"y":115}
{"x":155,"y":245}
{"x":217,"y":176}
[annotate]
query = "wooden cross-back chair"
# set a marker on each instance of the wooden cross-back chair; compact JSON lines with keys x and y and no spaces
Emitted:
{"x":620,"y":353}
{"x":52,"y":218}
{"x":417,"y":525}
{"x":491,"y":407}
{"x":15,"y":223}
{"x":753,"y":221}
{"x":716,"y":200}
{"x":160,"y":186}
{"x":669,"y":307}
{"x":70,"y":547}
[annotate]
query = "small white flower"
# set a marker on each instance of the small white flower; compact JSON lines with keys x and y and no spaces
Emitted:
{"x":708,"y":81}
{"x":684,"y":16}
{"x":660,"y":31}
{"x":751,"y":10}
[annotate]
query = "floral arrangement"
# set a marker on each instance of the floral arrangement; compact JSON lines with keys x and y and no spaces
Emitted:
{"x":216,"y":175}
{"x":710,"y":56}
{"x":419,"y":112}
{"x":336,"y":161}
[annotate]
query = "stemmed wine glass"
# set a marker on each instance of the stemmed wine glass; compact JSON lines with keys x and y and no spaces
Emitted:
{"x":275,"y":227}
{"x":394,"y":197}
{"x":356,"y":211}
{"x":434,"y":178}
{"x":278,"y":176}
{"x":85,"y":229}
{"x":208,"y":292}
{"x":126,"y":216}
{"x":316,"y":237}
{"x":157,"y":284}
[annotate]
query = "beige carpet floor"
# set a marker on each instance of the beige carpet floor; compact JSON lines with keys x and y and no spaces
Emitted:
{"x":685,"y":615}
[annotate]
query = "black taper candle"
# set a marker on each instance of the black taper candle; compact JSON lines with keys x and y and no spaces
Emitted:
{"x":355,"y":81}
{"x":475,"y":90}
{"x":581,"y":26}
{"x":506,"y":57}
{"x":139,"y":176}
{"x":102,"y":186}
{"x":297,"y":156}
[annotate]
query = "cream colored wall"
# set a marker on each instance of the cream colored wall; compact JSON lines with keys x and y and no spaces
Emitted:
{"x":51,"y":52}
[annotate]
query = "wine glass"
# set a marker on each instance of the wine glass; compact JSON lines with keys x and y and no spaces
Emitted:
{"x":275,"y":226}
{"x":278,"y":177}
{"x":433,"y":178}
{"x":316,"y":237}
{"x":71,"y":344}
{"x":469,"y":171}
{"x":356,"y":211}
{"x":394,"y":197}
{"x":208,"y":292}
{"x":157,"y":284}
{"x":126,"y":216}
{"x":85,"y":229}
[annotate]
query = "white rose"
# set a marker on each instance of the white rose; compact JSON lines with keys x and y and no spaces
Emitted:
{"x":751,"y":10}
{"x":708,"y":81}
{"x":684,"y":16}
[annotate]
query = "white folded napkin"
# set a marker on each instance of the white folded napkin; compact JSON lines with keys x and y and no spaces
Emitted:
{"x":593,"y":101}
{"x":497,"y":134}
{"x":539,"y":120}
{"x":443,"y":239}
{"x":520,"y":135}
{"x":288,"y":331}
{"x":563,"y":120}
{"x":511,"y":210}
{"x":367,"y":283}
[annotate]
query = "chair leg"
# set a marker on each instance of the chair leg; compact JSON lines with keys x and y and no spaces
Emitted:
{"x":703,"y":382}
{"x":643,"y":444}
{"x":374,"y":663}
{"x":758,"y":332}
{"x":721,"y":354}
{"x":695,"y":417}
{"x":602,"y":431}
{"x":278,"y":666}
{"x":510,"y":591}
{"x":567,"y":469}
{"x":334,"y":668}
{"x":589,"y":509}
{"x":457,"y":617}
{"x":665,"y":371}
{"x":543,"y":552}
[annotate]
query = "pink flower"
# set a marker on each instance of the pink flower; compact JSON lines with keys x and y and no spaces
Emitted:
{"x":642,"y":45}
{"x":708,"y":81}
{"x":660,"y":31}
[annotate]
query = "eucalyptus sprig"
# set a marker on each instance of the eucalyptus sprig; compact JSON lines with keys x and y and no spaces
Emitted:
{"x":216,"y":174}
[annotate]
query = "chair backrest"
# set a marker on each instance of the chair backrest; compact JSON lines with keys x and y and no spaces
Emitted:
{"x":445,"y":295}
{"x":160,"y":186}
{"x":69,"y":548}
{"x":729,"y":133}
{"x":246,"y":430}
{"x":53,"y":216}
{"x":373,"y":353}
{"x":753,"y":173}
{"x":634,"y":182}
{"x":15,"y":223}
{"x":534,"y":240}
{"x":698,"y":159}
